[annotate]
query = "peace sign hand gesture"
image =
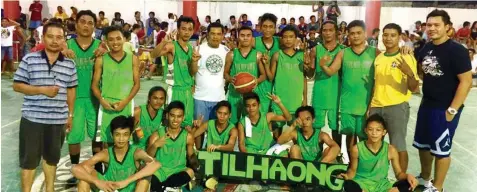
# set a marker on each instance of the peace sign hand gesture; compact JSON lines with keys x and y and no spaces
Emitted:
{"x":274,"y":98}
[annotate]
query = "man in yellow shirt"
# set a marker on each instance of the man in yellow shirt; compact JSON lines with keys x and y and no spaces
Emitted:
{"x":146,"y":61}
{"x":61,"y":14}
{"x":395,"y":79}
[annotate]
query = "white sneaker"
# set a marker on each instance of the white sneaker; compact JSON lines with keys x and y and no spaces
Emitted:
{"x":423,"y":182}
{"x":431,"y":189}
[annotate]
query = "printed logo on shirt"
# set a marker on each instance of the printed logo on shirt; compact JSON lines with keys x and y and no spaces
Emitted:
{"x":5,"y":33}
{"x":214,"y":63}
{"x":430,"y":65}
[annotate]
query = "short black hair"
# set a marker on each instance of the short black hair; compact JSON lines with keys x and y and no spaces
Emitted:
{"x":244,"y":28}
{"x":215,"y":25}
{"x":52,"y":25}
{"x":305,"y":108}
{"x":375,"y":30}
{"x":152,"y":12}
{"x":136,"y":12}
{"x":406,"y":32}
{"x":251,"y":95}
{"x":155,"y":89}
{"x":112,"y":28}
{"x":164,"y":25}
{"x":169,"y":15}
{"x":122,"y":122}
{"x":417,"y":22}
{"x":88,"y":13}
{"x":376,"y":118}
{"x":208,"y":16}
{"x":440,"y":13}
{"x":357,"y":23}
{"x":268,"y":17}
{"x":186,"y":20}
{"x":232,"y":17}
{"x":293,"y":18}
{"x":289,"y":28}
{"x":466,"y":23}
{"x":473,"y":50}
{"x":301,"y":17}
{"x":423,"y":24}
{"x":313,"y":16}
{"x":126,"y":34}
{"x":175,"y":105}
{"x":329,"y":22}
{"x":223,"y":103}
{"x":117,"y":14}
{"x":393,"y":26}
{"x":321,"y":3}
{"x":101,"y":12}
{"x":135,"y":26}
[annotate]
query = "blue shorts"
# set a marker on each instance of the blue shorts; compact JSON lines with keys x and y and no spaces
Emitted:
{"x":8,"y":51}
{"x":205,"y":108}
{"x":34,"y":24}
{"x":433,"y":132}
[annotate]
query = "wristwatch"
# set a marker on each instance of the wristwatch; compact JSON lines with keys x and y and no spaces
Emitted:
{"x":452,"y":111}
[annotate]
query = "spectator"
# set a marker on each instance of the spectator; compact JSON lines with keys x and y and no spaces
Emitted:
{"x":257,"y":32}
{"x":172,"y":19}
{"x":302,"y":28}
{"x":406,"y":39}
{"x":463,"y":33}
{"x":313,"y":39}
{"x":162,"y":33}
{"x":244,"y":21}
{"x":102,"y":23}
{"x":22,"y":19}
{"x":151,"y":21}
{"x":473,"y":34}
{"x":333,"y":12}
{"x":451,"y":32}
{"x":117,"y":20}
{"x":292,"y":22}
{"x":207,"y":22}
{"x":74,"y":11}
{"x":134,"y":37}
{"x":127,"y":27}
{"x":283,"y":24}
{"x":137,"y":20}
{"x":416,"y":27}
{"x":39,"y":29}
{"x":423,"y":31}
{"x":70,"y":30}
{"x":373,"y":40}
{"x":320,"y":10}
{"x":35,"y":19}
{"x":60,"y":14}
{"x":128,"y":47}
{"x":312,"y":24}
{"x":232,"y":24}
{"x":8,"y":27}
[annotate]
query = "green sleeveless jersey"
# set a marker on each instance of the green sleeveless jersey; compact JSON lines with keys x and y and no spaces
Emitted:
{"x":172,"y":155}
{"x":214,"y":137}
{"x":84,"y":66}
{"x":148,"y":125}
{"x":117,"y":77}
{"x":182,"y":59}
{"x":328,"y":99}
{"x":266,"y":86}
{"x":289,"y":81}
{"x":310,"y":148}
{"x":357,"y":80}
{"x":118,"y":171}
{"x":243,"y":64}
{"x":372,"y":171}
{"x":262,"y":138}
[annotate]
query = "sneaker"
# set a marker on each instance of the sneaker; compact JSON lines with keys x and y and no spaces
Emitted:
{"x":432,"y":189}
{"x":423,"y":182}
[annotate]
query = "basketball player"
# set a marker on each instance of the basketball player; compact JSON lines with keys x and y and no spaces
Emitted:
{"x":309,"y":141}
{"x":325,"y":103}
{"x":148,"y":117}
{"x":254,"y":129}
{"x":370,"y":160}
{"x":286,"y":71}
{"x":447,"y":79}
{"x":184,"y":60}
{"x":82,"y":49}
{"x":117,"y":73}
{"x":242,"y":59}
{"x":123,"y":172}
{"x":221,"y":134}
{"x":173,"y":145}
{"x":267,"y":44}
{"x":395,"y":79}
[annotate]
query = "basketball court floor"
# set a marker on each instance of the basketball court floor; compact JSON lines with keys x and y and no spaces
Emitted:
{"x":462,"y":176}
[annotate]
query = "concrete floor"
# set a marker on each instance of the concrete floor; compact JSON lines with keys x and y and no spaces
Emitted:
{"x":462,"y":176}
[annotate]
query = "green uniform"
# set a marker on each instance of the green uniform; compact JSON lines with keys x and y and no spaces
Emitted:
{"x":84,"y":116}
{"x":216,"y":138}
{"x":311,"y":147}
{"x":116,"y":84}
{"x":148,"y":125}
{"x":183,"y":82}
{"x":119,"y":171}
{"x":356,"y":89}
{"x":261,"y":139}
{"x":241,"y":64}
{"x":325,"y":102}
{"x":266,"y":86}
{"x":172,"y":155}
{"x":289,"y":82}
{"x":372,"y":171}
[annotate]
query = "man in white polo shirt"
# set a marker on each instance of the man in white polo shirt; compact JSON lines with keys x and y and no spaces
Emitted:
{"x":209,"y":79}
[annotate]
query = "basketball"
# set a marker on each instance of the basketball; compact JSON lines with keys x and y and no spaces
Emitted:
{"x":245,"y":82}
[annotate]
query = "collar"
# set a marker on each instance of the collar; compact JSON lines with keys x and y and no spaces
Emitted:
{"x":61,"y":57}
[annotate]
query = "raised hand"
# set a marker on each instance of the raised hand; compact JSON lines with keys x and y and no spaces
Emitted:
{"x":274,"y":98}
{"x":403,"y":66}
{"x":196,"y":55}
{"x":198,"y":122}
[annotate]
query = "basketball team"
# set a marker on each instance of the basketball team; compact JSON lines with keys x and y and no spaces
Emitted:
{"x":252,"y":98}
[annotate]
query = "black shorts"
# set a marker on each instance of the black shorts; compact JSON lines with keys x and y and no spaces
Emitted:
{"x":40,"y":140}
{"x":175,"y":180}
{"x":352,"y":186}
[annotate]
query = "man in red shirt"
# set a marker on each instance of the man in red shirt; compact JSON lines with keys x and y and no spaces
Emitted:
{"x":35,"y":20}
{"x":464,"y":32}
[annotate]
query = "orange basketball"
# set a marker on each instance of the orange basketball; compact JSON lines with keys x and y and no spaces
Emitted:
{"x":245,"y":82}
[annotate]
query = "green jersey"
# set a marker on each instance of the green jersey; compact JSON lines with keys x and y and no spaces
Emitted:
{"x":260,"y":46}
{"x":182,"y":59}
{"x":261,"y":139}
{"x":148,"y":124}
{"x":289,"y":81}
{"x":243,"y":64}
{"x":265,"y":87}
{"x":372,"y":171}
{"x":119,"y":171}
{"x":117,"y":77}
{"x":311,"y":147}
{"x":172,"y":155}
{"x":325,"y":89}
{"x":214,"y":137}
{"x":357,"y":80}
{"x":84,"y":66}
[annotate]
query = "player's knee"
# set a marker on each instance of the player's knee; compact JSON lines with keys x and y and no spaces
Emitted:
{"x":394,"y":189}
{"x":190,"y":172}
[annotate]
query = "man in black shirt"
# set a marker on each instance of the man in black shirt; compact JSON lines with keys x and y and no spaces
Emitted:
{"x":446,"y":74}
